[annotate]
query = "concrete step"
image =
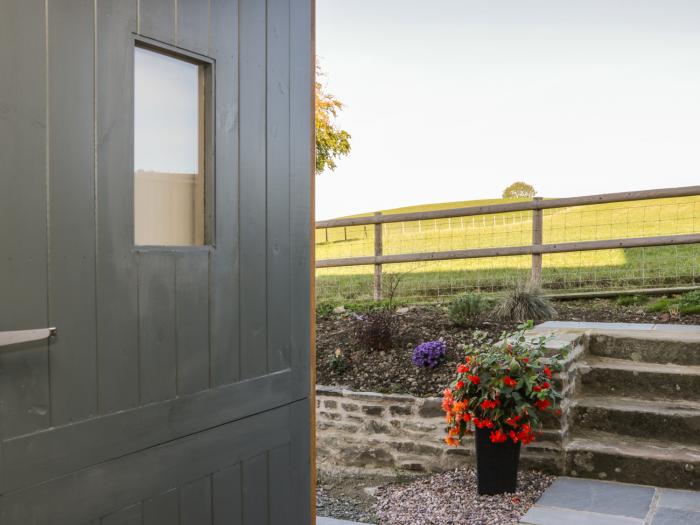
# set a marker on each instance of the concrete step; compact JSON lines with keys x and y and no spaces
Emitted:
{"x":667,"y":420}
{"x":677,"y":347}
{"x":602,"y":455}
{"x":619,"y":377}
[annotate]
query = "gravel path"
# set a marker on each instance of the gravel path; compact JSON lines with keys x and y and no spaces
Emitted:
{"x":450,"y":498}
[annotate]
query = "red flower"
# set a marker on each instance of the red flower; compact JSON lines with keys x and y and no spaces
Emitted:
{"x":482,"y":423}
{"x":474,"y":379}
{"x":542,"y":404}
{"x":547,"y":372}
{"x":466,"y":417}
{"x":509,"y":381}
{"x":545,"y":385}
{"x":462,"y":369}
{"x":487,"y":404}
{"x":498,"y":436}
{"x":526,"y":360}
{"x":459,"y":385}
{"x":513,"y":421}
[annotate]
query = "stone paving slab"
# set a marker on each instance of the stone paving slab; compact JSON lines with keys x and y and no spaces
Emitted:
{"x":332,"y":521}
{"x":632,"y":501}
{"x":575,"y":501}
{"x":630,"y":327}
{"x":555,"y":516}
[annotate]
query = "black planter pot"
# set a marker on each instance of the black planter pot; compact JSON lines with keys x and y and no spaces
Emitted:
{"x":496,"y":464}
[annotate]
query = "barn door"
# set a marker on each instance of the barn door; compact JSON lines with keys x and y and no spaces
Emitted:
{"x":155,"y":169}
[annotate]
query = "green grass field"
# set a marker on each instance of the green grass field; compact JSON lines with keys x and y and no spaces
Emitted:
{"x":619,"y":268}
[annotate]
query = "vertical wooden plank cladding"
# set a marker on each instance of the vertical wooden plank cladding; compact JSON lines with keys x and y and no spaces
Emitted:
{"x":129,"y":516}
{"x":157,"y":19}
{"x":302,"y":466}
{"x":253,"y":288}
{"x":164,"y":509}
{"x":255,"y":490}
{"x":195,"y":502}
{"x":193,"y":25}
{"x":278,"y":231}
{"x":301,"y":166}
{"x":157,"y":326}
{"x":280,"y":485}
{"x":23,"y":277}
{"x":192,"y":321}
{"x":224,"y":284}
{"x":72,"y":210}
{"x":226,"y":497}
{"x":117,"y":334}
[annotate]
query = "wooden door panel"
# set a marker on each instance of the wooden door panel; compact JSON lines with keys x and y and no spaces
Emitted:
{"x":177,"y":388}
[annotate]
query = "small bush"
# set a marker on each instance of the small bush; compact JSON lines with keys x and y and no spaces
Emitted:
{"x":525,"y":303}
{"x":324,"y":310}
{"x":690,"y":303}
{"x":429,"y":355}
{"x":662,"y":304}
{"x":337,"y":362}
{"x":631,"y":300}
{"x":376,"y":329}
{"x":469,"y":309}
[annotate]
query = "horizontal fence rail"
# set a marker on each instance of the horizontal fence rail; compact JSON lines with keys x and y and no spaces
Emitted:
{"x":535,"y":221}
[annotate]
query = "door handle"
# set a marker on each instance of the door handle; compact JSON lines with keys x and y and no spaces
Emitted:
{"x":25,"y":336}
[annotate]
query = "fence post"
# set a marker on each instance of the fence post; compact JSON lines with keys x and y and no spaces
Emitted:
{"x":536,"y":275}
{"x":377,"y":253}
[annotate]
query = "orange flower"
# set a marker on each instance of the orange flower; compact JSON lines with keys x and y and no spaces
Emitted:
{"x":451,"y":441}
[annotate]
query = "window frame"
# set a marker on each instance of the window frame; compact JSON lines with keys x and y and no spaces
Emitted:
{"x":206,"y":68}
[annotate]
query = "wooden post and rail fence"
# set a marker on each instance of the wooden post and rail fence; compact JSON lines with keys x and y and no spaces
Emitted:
{"x":536,"y":249}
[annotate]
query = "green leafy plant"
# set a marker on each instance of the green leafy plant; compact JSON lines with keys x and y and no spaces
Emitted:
{"x":376,"y":329}
{"x":524,"y":303}
{"x":337,"y":362}
{"x":689,"y":303}
{"x":504,"y":386}
{"x":660,"y":305}
{"x":631,"y":300}
{"x":324,"y":309}
{"x":469,"y":309}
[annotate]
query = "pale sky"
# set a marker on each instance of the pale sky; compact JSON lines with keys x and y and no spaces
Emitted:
{"x":455,"y":99}
{"x":166,"y":106}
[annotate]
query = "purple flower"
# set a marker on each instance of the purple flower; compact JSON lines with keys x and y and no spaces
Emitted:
{"x":429,"y":355}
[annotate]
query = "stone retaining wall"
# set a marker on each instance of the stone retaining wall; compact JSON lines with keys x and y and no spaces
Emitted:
{"x":389,"y":434}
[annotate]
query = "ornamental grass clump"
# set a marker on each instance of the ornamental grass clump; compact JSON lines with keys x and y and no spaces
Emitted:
{"x":504,"y":386}
{"x":525,"y":302}
{"x":469,"y":309}
{"x":429,"y":355}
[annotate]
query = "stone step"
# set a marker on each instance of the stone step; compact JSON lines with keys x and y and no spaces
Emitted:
{"x":672,"y":420}
{"x":620,"y":377}
{"x":653,"y":347}
{"x":602,"y":455}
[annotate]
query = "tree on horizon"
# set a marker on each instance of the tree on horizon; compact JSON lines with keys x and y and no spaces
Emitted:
{"x":519,"y":190}
{"x":332,"y":142}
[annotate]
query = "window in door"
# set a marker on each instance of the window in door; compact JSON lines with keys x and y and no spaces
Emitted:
{"x":169,"y":174}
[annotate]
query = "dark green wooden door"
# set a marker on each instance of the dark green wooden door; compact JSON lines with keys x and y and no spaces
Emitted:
{"x":177,"y":388}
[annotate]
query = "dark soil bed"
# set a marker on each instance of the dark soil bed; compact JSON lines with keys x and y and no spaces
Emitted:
{"x":391,"y":371}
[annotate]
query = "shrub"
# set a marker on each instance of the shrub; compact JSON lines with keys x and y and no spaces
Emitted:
{"x":337,"y":362}
{"x":376,"y":329}
{"x":690,"y":303}
{"x":324,"y":309}
{"x":525,"y":303}
{"x":504,"y":386}
{"x":631,"y":300}
{"x":469,"y":309}
{"x":660,"y":305}
{"x":429,"y":355}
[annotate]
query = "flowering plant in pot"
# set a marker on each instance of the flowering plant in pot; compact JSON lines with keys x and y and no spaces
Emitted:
{"x":501,"y":392}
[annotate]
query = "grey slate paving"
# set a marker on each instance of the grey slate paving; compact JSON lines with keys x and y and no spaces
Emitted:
{"x":598,"y":496}
{"x":556,"y":516}
{"x":668,"y":516}
{"x":333,"y":521}
{"x":679,"y":499}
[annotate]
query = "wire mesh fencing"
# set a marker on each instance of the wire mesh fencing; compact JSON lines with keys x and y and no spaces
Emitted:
{"x":672,"y":223}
